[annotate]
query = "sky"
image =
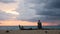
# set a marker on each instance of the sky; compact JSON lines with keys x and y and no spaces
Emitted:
{"x":28,"y":12}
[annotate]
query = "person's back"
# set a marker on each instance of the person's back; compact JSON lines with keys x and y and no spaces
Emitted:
{"x":39,"y":25}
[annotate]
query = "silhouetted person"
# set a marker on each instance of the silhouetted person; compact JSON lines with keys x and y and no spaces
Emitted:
{"x":39,"y":25}
{"x":19,"y":27}
{"x":22,"y":28}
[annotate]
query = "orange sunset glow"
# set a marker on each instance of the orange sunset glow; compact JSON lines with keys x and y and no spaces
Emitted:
{"x":16,"y":23}
{"x":22,"y":23}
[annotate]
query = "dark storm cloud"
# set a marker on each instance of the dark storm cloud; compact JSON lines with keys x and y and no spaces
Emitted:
{"x":43,"y":19}
{"x":7,"y":1}
{"x":51,"y":9}
{"x":47,"y":10}
{"x":53,"y":4}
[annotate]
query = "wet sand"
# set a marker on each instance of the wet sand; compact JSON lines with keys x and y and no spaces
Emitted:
{"x":30,"y":32}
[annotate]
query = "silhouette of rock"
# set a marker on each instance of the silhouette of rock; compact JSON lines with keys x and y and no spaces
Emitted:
{"x":46,"y":32}
{"x":7,"y":31}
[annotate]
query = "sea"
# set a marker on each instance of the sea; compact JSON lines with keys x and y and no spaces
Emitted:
{"x":33,"y":27}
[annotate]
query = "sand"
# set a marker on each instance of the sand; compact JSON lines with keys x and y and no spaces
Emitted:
{"x":30,"y":32}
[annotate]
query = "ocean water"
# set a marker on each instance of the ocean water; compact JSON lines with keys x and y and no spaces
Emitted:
{"x":26,"y":27}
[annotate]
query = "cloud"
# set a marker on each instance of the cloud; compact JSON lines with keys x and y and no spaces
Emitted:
{"x":7,"y":1}
{"x":45,"y":10}
{"x":50,"y":9}
{"x":53,"y":4}
{"x":25,"y":12}
{"x":27,"y":9}
{"x":49,"y":12}
{"x":6,"y":16}
{"x":35,"y":1}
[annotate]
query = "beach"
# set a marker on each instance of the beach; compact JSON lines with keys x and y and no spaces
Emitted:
{"x":29,"y":31}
